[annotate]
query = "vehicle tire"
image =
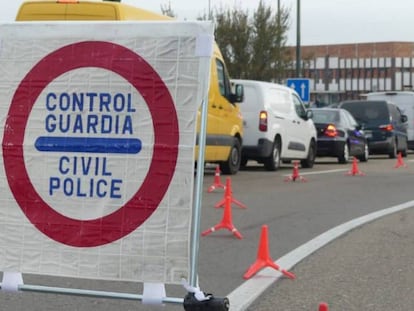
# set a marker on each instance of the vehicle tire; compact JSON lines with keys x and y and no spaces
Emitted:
{"x":364,"y":157}
{"x":272,"y":162}
{"x":394,"y":151}
{"x":310,"y":159}
{"x":404,"y":152}
{"x":232,"y":165}
{"x":344,"y":157}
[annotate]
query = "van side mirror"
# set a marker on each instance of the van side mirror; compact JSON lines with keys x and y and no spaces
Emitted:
{"x":238,"y":95}
{"x":309,"y":114}
{"x":404,"y":118}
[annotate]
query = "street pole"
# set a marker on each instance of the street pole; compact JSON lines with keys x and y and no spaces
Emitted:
{"x":298,"y":52}
{"x":278,"y":74}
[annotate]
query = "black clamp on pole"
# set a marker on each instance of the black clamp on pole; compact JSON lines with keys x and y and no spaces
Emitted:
{"x":196,"y":300}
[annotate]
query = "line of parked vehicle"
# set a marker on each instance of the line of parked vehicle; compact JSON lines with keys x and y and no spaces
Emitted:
{"x":278,"y":128}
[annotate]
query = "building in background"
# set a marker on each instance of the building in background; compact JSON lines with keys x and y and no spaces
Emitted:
{"x":347,"y":71}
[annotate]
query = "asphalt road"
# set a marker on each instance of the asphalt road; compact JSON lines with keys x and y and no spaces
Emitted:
{"x":295,"y":212}
{"x":371,"y":269}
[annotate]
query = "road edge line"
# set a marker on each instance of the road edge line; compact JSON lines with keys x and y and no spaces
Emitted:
{"x":244,"y":295}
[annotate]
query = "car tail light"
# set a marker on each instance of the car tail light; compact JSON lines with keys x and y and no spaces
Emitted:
{"x":263,"y":121}
{"x":330,"y":131}
{"x":387,"y":127}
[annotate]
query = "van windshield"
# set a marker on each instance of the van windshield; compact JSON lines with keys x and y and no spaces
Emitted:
{"x":369,"y":113}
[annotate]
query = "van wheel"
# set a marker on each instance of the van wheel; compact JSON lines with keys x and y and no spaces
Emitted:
{"x":232,"y":165}
{"x":310,"y":160}
{"x":272,"y":162}
{"x":394,"y":151}
{"x":404,"y":152}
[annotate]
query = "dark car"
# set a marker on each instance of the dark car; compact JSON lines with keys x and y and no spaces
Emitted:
{"x":339,"y":135}
{"x":383,"y":123}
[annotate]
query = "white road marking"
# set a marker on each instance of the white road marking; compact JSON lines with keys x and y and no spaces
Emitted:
{"x":244,"y":295}
{"x":322,"y":172}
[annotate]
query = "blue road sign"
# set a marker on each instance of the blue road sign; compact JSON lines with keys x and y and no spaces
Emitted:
{"x":301,"y":86}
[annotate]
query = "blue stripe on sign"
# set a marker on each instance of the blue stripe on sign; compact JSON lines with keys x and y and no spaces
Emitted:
{"x":88,"y":144}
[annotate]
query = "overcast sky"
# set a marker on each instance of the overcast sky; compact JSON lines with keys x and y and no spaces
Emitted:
{"x":322,"y":21}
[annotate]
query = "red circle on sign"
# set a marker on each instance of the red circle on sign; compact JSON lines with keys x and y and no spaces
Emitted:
{"x":134,"y":69}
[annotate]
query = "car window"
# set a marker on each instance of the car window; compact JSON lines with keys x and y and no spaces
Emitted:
{"x":325,"y":116}
{"x":371,"y":113}
{"x":224,"y":83}
{"x":395,"y":113}
{"x":352,"y":123}
{"x":343,"y":120}
{"x":299,"y":108}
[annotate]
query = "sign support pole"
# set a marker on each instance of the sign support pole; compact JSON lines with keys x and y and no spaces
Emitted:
{"x":195,"y":237}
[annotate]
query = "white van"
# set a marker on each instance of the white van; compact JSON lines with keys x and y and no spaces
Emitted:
{"x":277,"y":126}
{"x":405,"y":101}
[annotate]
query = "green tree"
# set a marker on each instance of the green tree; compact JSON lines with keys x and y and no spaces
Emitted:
{"x":268,"y":42}
{"x":254,"y":47}
{"x":284,"y":58}
{"x":233,"y":34}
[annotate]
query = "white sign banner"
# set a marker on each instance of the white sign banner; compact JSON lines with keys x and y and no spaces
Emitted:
{"x":98,"y":128}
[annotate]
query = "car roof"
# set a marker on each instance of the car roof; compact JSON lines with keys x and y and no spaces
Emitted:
{"x":364,"y":101}
{"x":327,"y":109}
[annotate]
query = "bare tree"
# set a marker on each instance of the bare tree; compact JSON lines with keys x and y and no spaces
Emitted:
{"x":167,"y":10}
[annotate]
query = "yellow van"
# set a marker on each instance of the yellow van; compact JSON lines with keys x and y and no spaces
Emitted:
{"x":224,"y":123}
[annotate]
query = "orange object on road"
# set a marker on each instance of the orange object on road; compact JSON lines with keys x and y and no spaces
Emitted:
{"x":295,"y":174}
{"x":217,"y":181}
{"x":229,"y":192}
{"x":226,"y":222}
{"x":355,"y":170}
{"x":400,"y":161}
{"x":263,"y":258}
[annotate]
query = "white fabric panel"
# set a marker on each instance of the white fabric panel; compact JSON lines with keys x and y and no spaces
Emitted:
{"x":99,"y":125}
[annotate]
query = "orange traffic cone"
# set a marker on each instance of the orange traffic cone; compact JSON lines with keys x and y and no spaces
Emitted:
{"x":226,"y":222}
{"x":355,"y":170}
{"x":323,"y":306}
{"x":400,"y":161}
{"x":228,"y":192}
{"x":295,"y":175}
{"x":217,"y":182}
{"x":264,"y":259}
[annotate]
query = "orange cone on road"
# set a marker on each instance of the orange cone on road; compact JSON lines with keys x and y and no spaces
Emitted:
{"x":323,"y":306}
{"x":217,"y":182}
{"x":263,"y":258}
{"x":355,"y":170}
{"x":295,"y":174}
{"x":226,"y":222}
{"x":228,"y":192}
{"x":400,"y":161}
